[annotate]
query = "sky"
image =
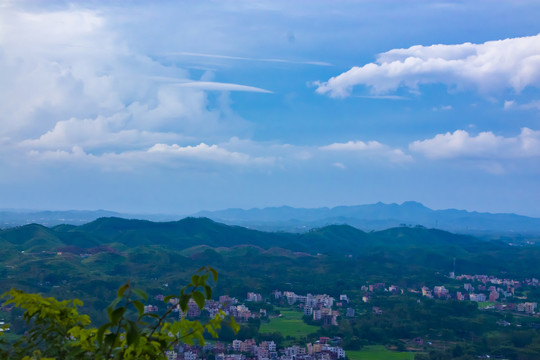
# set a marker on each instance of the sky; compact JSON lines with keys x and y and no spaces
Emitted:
{"x":179,"y":106}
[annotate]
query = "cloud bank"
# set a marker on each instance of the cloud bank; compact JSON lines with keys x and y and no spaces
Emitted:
{"x":488,"y":67}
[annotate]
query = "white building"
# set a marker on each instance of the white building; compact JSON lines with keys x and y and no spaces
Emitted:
{"x":477,"y":297}
{"x":236,"y":344}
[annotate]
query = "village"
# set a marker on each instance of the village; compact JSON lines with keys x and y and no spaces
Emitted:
{"x":322,"y":349}
{"x":491,"y":292}
{"x":326,"y":310}
{"x":482,"y":288}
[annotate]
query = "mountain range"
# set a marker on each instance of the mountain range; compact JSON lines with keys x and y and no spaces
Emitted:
{"x":377,"y":217}
{"x":289,"y":219}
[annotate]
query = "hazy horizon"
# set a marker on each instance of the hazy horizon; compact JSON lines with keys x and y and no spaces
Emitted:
{"x":245,"y":209}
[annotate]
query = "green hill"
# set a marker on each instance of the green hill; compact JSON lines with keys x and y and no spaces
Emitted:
{"x":96,"y":257}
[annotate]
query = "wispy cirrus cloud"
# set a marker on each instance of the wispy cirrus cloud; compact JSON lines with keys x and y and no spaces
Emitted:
{"x":488,"y":67}
{"x":212,"y":85}
{"x":242,"y":58}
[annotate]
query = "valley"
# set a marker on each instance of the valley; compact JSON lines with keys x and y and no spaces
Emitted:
{"x":404,"y":287}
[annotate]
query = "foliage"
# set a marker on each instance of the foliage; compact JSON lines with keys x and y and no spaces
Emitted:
{"x":56,"y":330}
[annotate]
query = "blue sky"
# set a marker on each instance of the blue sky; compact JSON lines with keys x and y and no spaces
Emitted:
{"x":175,"y":107}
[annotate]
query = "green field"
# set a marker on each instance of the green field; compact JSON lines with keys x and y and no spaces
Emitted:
{"x":289,"y":324}
{"x":485,"y":304}
{"x":378,"y":352}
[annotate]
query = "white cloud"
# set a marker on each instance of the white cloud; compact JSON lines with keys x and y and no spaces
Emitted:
{"x":163,"y":155}
{"x":368,"y":149}
{"x":485,"y":145}
{"x":354,"y":146}
{"x":213,"y":153}
{"x":512,"y":104}
{"x":487,"y":67}
{"x":443,"y":108}
{"x":96,"y":134}
{"x":70,"y":80}
{"x":509,"y":104}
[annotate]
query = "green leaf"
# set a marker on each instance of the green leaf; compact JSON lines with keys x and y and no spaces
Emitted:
{"x":141,"y":294}
{"x":184,"y":298}
{"x":156,"y":316}
{"x":117,"y":315}
{"x":199,"y":299}
{"x":204,"y":278}
{"x":132,"y":335}
{"x":208,"y":292}
{"x":214,"y":274}
{"x":115,"y":302}
{"x":101,"y":331}
{"x":110,"y":339}
{"x":123,"y":289}
{"x":211,"y":330}
{"x":169,"y":297}
{"x":139,"y":306}
{"x":234,"y":325}
{"x":195,"y":280}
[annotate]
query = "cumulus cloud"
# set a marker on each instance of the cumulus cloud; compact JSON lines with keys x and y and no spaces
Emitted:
{"x":485,"y":145}
{"x":71,"y":81}
{"x":487,"y":67}
{"x":193,"y":156}
{"x":96,"y":134}
{"x":206,"y":152}
{"x":367,"y":149}
{"x":353,"y":146}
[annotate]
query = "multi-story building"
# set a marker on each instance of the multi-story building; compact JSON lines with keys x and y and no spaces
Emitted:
{"x":477,"y":297}
{"x":530,"y":307}
{"x":237,"y":345}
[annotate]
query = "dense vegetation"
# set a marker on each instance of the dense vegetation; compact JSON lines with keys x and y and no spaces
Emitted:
{"x":90,"y":262}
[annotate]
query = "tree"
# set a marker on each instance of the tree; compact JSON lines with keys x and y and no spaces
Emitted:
{"x":57,"y":331}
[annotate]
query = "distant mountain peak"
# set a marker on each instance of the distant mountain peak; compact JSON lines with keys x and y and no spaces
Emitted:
{"x":413,"y":203}
{"x":377,"y":216}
